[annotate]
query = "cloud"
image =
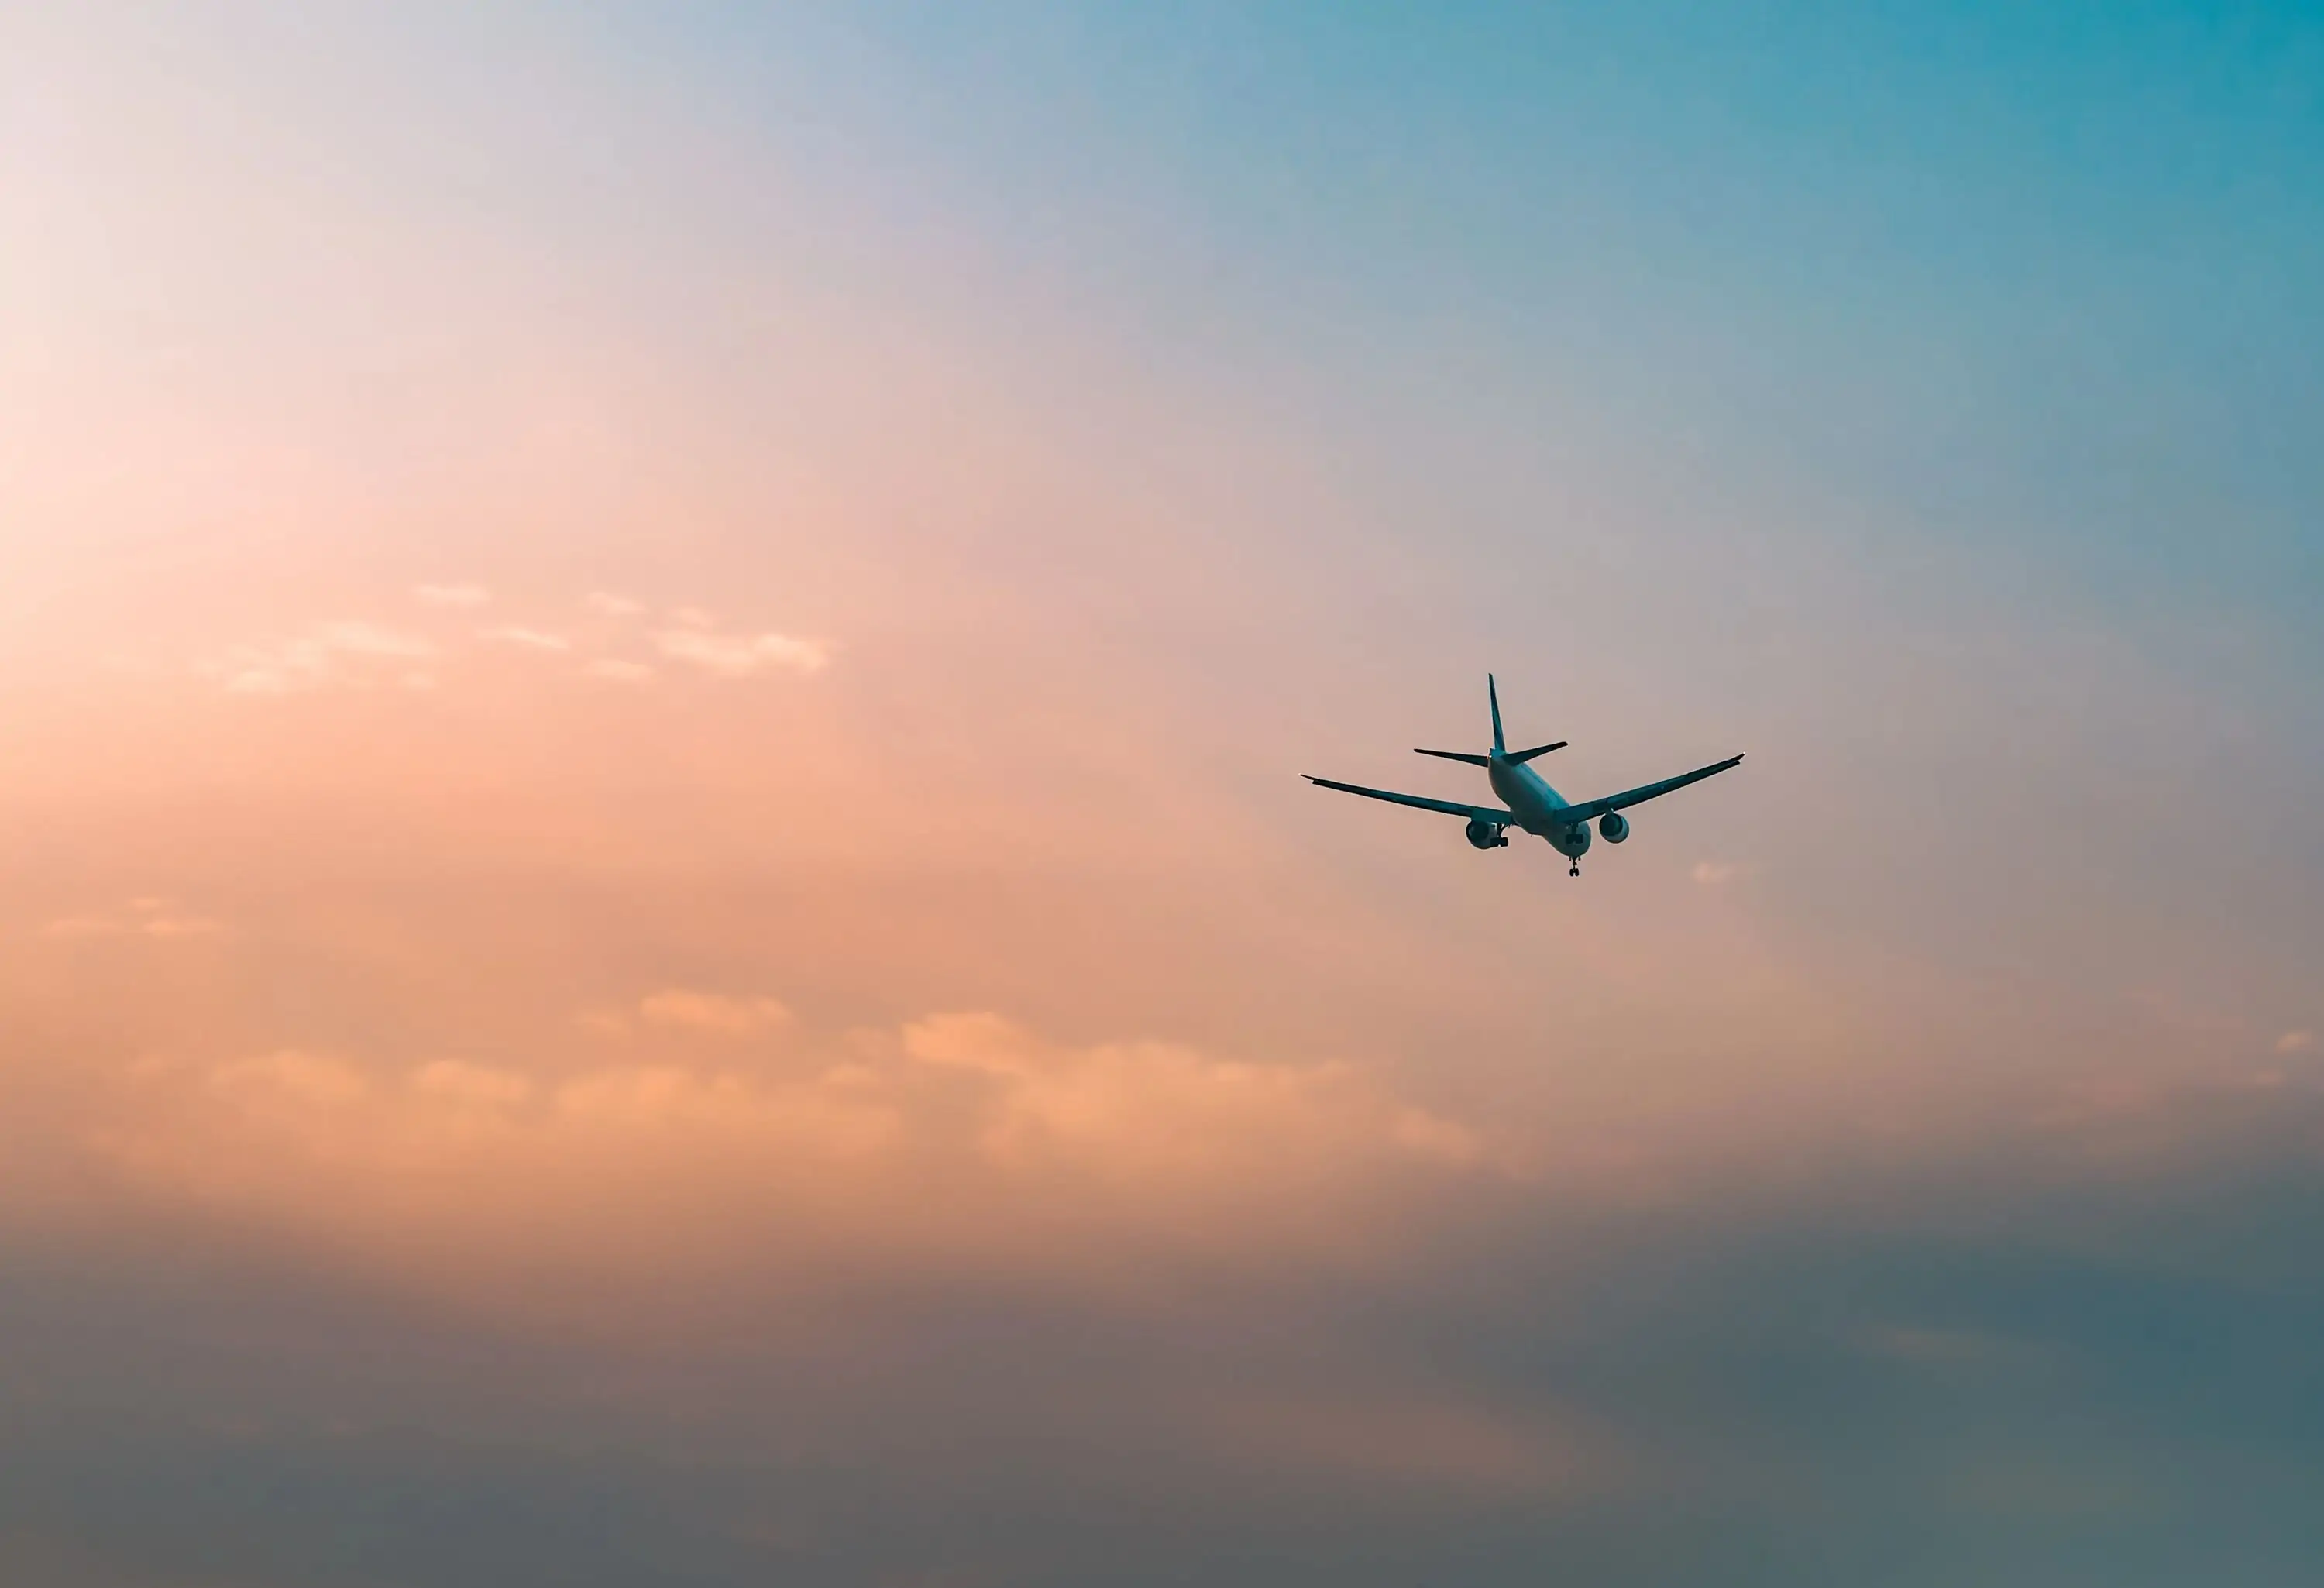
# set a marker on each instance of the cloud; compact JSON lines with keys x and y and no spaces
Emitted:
{"x":964,"y":1133}
{"x":607,"y":604}
{"x":1713,"y":874}
{"x":618,"y":670}
{"x":979,"y":1041}
{"x":326,"y":654}
{"x":2295,"y":1042}
{"x":454,"y":596}
{"x":1155,"y":1113}
{"x":532,"y":639}
{"x":708,"y":1011}
{"x":741,"y":655}
{"x":143,"y":917}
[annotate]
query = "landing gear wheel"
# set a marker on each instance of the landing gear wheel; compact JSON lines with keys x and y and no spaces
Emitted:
{"x":1576,"y":871}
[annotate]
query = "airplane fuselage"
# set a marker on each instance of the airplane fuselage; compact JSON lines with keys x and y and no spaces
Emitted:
{"x":1538,"y":807}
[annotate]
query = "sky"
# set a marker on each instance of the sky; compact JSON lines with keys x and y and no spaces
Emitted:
{"x":656,"y":917}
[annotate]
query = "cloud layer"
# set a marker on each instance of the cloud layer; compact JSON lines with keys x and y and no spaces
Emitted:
{"x":962,"y":1137}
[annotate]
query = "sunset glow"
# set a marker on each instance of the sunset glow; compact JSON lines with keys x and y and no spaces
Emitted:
{"x":660,"y":923}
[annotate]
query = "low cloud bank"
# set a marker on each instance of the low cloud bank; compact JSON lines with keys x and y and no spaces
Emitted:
{"x":699,"y":1131}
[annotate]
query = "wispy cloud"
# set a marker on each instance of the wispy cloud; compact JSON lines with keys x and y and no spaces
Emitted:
{"x":738,"y":656}
{"x":606,"y":603}
{"x":618,"y":670}
{"x":532,"y":639}
{"x":326,"y":653}
{"x":141,"y":918}
{"x":454,"y":596}
{"x":2295,"y":1042}
{"x":1713,"y":874}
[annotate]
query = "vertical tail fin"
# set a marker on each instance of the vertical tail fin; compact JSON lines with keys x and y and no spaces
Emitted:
{"x":1494,"y":695}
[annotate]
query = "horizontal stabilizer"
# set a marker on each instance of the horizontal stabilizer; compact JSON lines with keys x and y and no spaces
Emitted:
{"x":1520,"y":757}
{"x":1458,"y":755}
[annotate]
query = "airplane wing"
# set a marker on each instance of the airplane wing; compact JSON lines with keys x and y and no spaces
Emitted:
{"x":1483,"y":813}
{"x":1591,"y":810}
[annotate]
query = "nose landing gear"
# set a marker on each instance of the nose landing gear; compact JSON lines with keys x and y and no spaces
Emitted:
{"x":1576,"y":871}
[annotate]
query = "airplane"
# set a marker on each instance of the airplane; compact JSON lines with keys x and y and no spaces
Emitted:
{"x":1532,"y":805}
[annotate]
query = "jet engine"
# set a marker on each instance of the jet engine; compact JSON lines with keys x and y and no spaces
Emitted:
{"x":1614,"y":826}
{"x":1485,"y":834}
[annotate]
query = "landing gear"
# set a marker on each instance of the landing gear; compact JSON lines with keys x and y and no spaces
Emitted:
{"x":1576,"y":871}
